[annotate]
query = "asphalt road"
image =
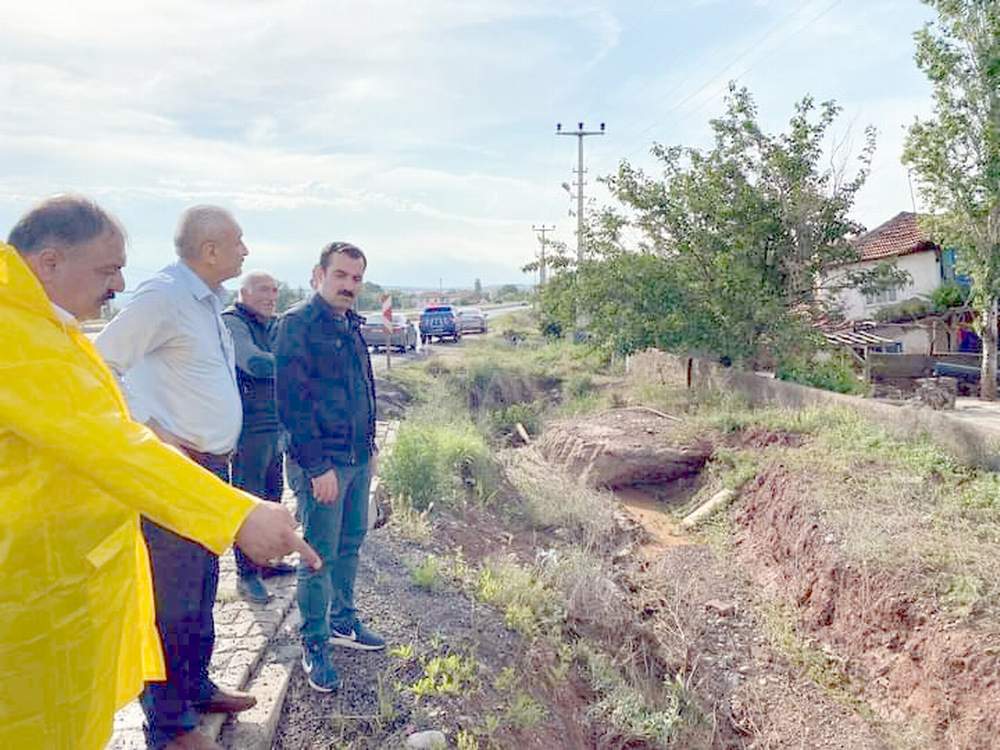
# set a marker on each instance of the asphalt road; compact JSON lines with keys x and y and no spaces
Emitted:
{"x":379,"y":359}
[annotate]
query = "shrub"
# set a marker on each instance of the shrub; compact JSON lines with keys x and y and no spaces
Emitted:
{"x":834,"y":374}
{"x":439,"y":462}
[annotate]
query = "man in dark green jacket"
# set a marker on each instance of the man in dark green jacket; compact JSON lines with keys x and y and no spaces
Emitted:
{"x":256,"y":464}
{"x":326,"y":403}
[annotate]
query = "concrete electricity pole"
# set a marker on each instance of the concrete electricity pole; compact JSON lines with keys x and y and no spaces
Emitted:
{"x":580,"y":134}
{"x":541,"y":260}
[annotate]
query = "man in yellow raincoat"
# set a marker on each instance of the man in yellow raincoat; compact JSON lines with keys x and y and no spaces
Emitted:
{"x":77,"y":632}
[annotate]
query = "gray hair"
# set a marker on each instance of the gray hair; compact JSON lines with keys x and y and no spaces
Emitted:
{"x":256,"y":275}
{"x":200,"y":224}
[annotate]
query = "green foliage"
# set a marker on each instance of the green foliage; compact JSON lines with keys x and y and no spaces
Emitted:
{"x":501,"y":421}
{"x":439,"y":462}
{"x":446,"y":675}
{"x":733,"y":240}
{"x":529,"y":607}
{"x":832,"y":373}
{"x":427,"y":573}
{"x":908,"y":309}
{"x":628,"y":709}
{"x":948,"y":295}
{"x":956,"y":153}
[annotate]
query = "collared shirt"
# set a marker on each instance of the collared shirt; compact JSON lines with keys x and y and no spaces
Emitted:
{"x":175,"y":358}
{"x":65,"y":316}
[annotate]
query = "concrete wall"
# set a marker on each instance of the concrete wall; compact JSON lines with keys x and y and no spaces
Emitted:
{"x":924,"y":267}
{"x":969,"y":443}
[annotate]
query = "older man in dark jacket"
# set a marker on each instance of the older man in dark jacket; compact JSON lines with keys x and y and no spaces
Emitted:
{"x":256,"y":464}
{"x":326,"y":402}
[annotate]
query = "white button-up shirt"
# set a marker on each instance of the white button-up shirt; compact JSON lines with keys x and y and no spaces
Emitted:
{"x":174,"y":356}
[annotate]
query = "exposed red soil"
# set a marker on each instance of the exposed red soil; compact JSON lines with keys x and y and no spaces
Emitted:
{"x":910,"y":661}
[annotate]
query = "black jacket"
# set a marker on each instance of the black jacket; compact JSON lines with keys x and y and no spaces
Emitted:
{"x":254,"y":367}
{"x":326,"y":391}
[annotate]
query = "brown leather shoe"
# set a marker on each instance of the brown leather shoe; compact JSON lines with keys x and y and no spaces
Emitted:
{"x":193,"y":740}
{"x":227,"y":702}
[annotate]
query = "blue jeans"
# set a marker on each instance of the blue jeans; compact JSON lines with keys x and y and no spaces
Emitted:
{"x":336,"y":531}
{"x":185,"y":581}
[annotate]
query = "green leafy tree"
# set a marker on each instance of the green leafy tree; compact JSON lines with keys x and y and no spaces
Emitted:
{"x":736,"y":238}
{"x":956,"y":154}
{"x":478,"y":289}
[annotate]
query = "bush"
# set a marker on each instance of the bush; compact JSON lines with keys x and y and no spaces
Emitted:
{"x":501,"y":422}
{"x":834,"y":374}
{"x":439,"y":463}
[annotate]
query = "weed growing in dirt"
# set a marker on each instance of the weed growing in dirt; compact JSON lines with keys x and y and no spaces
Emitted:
{"x":524,"y":712}
{"x":403,"y":651}
{"x":427,"y":573}
{"x":633,"y":713}
{"x":446,"y":675}
{"x":466,"y":740}
{"x":529,"y":607}
{"x":410,"y":523}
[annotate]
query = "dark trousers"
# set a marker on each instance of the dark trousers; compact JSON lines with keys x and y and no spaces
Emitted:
{"x":185,"y":581}
{"x":257,"y":469}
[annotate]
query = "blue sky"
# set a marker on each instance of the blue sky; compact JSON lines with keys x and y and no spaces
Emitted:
{"x":423,"y":131}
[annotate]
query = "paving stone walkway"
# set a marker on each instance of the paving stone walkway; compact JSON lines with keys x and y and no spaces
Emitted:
{"x":242,"y":631}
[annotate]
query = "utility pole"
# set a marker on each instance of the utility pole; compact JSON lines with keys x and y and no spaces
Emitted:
{"x":580,"y":134}
{"x":541,"y":260}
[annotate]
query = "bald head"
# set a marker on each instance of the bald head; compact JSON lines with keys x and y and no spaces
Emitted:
{"x":210,"y":241}
{"x":259,"y":292}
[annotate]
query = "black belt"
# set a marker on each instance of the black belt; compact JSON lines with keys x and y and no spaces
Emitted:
{"x":208,"y":460}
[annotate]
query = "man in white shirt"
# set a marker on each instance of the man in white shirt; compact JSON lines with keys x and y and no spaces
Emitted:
{"x":175,"y":357}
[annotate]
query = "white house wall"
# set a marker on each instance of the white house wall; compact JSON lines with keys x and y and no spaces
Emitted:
{"x":925,"y":272}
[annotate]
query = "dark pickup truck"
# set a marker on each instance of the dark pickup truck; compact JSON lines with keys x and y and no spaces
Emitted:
{"x":964,"y":373}
{"x":439,"y":321}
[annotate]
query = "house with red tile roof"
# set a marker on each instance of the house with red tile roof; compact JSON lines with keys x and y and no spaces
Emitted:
{"x":902,"y":242}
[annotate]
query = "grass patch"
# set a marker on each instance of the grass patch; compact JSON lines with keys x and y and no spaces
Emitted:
{"x":439,"y":462}
{"x":551,"y":499}
{"x":528,"y":605}
{"x":427,"y":574}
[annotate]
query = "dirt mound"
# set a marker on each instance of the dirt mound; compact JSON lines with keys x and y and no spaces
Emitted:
{"x":914,"y":663}
{"x":620,"y":448}
{"x":391,"y":400}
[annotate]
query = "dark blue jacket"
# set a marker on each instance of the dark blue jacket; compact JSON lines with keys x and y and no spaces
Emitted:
{"x":326,"y":391}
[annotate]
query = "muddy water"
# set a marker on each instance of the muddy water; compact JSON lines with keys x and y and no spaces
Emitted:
{"x":653,"y":513}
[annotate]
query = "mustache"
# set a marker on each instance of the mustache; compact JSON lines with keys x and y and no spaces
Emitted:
{"x":345,"y":293}
{"x":108,"y":296}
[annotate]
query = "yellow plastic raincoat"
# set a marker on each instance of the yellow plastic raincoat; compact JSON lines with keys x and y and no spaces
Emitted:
{"x":77,"y":631}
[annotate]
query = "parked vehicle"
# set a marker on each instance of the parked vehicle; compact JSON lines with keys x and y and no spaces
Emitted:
{"x":472,"y":319}
{"x":439,"y":322}
{"x":403,"y":337}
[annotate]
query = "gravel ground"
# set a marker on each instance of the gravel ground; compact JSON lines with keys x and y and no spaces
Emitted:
{"x":439,"y":622}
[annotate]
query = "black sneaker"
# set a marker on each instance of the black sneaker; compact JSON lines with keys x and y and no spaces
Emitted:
{"x":252,"y":589}
{"x":357,"y":636}
{"x":318,"y":666}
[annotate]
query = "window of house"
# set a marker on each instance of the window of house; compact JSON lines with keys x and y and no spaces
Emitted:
{"x":886,"y":295}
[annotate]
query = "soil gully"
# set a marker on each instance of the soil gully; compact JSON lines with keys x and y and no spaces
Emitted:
{"x":645,"y":507}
